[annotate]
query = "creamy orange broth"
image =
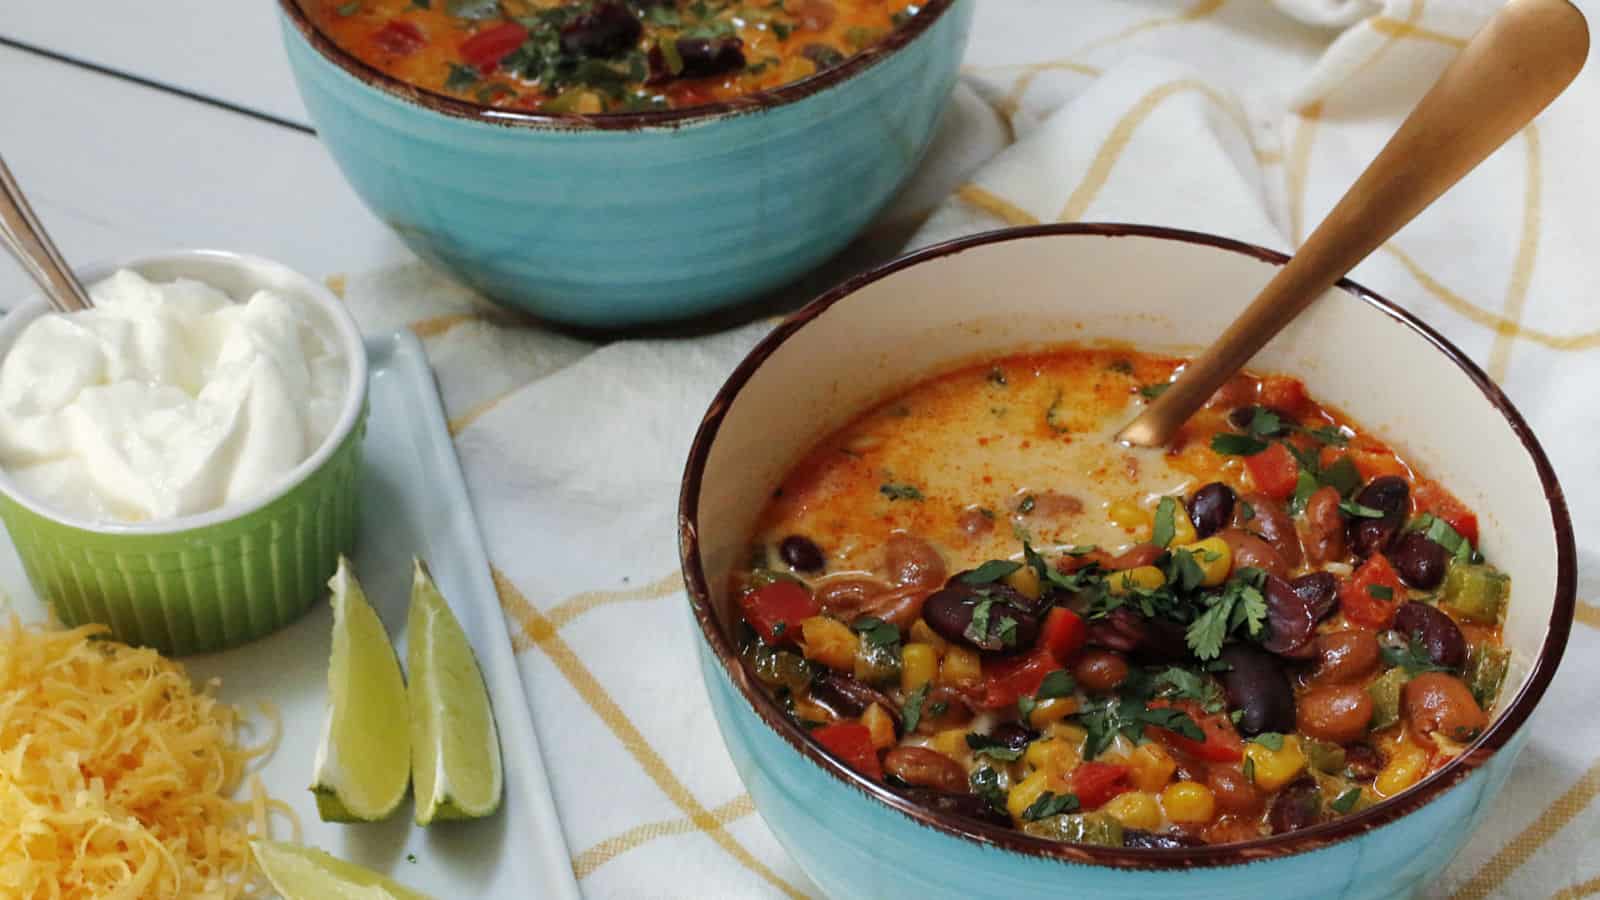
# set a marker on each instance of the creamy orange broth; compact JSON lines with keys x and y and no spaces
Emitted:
{"x":511,"y":54}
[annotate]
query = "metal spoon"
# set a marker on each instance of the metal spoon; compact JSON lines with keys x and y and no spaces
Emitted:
{"x":27,"y":240}
{"x":1522,"y":59}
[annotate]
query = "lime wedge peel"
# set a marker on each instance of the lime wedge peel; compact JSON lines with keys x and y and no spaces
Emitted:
{"x":455,"y":747}
{"x":306,"y":873}
{"x":363,"y":764}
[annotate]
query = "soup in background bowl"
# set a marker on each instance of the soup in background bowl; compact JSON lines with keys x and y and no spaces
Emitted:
{"x":1135,"y":298}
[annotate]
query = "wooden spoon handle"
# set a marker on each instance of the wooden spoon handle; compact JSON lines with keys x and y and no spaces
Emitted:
{"x":1522,"y":59}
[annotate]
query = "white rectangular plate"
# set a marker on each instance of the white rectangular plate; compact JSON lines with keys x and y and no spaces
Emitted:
{"x":413,"y":502}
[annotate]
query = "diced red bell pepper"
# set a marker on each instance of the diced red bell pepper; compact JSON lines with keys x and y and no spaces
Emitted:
{"x":1284,"y":393}
{"x":1095,"y":783}
{"x":399,"y":37}
{"x":774,"y":610}
{"x":1373,"y":594}
{"x":1008,"y":680}
{"x":851,"y":742}
{"x":1431,"y":498}
{"x":484,"y":50}
{"x":1274,"y":471}
{"x":1221,"y":743}
{"x":1064,"y":634}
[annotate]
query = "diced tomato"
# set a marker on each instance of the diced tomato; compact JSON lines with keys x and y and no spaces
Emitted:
{"x":851,"y":742}
{"x":1373,"y":594}
{"x":1274,"y":471}
{"x":1284,"y":393}
{"x":1221,"y":742}
{"x":400,"y":38}
{"x":1008,"y":680}
{"x":1095,"y":783}
{"x":1374,"y":460}
{"x":1431,"y":498}
{"x":484,"y":50}
{"x":781,"y":603}
{"x":1064,"y":634}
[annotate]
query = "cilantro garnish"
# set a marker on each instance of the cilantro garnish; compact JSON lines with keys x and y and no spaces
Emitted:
{"x":1026,"y":506}
{"x":1152,"y":391}
{"x":1165,"y":526}
{"x":984,"y":745}
{"x":1440,"y":532}
{"x":1229,"y":444}
{"x":1128,"y":716}
{"x":1346,"y":801}
{"x":1051,"y":413}
{"x":1357,"y":510}
{"x":1265,"y":423}
{"x":1413,"y":658}
{"x":1249,"y":770}
{"x":990,"y":572}
{"x":1380,"y":591}
{"x":876,"y":631}
{"x":1331,"y":435}
{"x":986,"y":784}
{"x":1181,"y":570}
{"x":1050,"y":804}
{"x":911,"y":709}
{"x":1239,"y":606}
{"x":461,"y":77}
{"x":1271,"y":740}
{"x":978,"y":627}
{"x":898,"y":491}
{"x":1182,"y":684}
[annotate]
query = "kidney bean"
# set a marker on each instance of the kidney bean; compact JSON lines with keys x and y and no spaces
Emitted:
{"x":1337,"y":712}
{"x":1291,"y":624}
{"x":921,"y":767}
{"x":1346,"y":656}
{"x":848,"y":698}
{"x":1149,"y":840}
{"x":1234,"y":793}
{"x":1390,"y":495}
{"x":1100,"y":671}
{"x":1164,"y":642}
{"x":1122,"y":629}
{"x":1419,"y":561}
{"x":1250,"y":551}
{"x":1438,"y":634}
{"x":606,"y":30}
{"x":1211,"y":509}
{"x":900,"y":607}
{"x":801,"y":553}
{"x":970,"y":806}
{"x":846,"y":595}
{"x":913,"y":562}
{"x":1272,"y":522}
{"x":943,"y":708}
{"x":1257,"y":687}
{"x":1435,"y":701}
{"x":1242,"y":417}
{"x":1325,"y":526}
{"x":1297,"y":806}
{"x":1052,"y":505}
{"x":1362,"y":762}
{"x":950,"y":611}
{"x":1014,"y":735}
{"x":1135,"y":556}
{"x":1320,"y":591}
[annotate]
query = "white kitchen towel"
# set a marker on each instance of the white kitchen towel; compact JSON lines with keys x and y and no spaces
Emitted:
{"x":1242,"y":117}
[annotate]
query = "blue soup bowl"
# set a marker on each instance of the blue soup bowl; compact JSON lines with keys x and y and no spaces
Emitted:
{"x":615,"y":220}
{"x":1160,"y":290}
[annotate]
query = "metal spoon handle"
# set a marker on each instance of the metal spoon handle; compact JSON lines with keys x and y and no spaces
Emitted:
{"x":27,"y":240}
{"x":1512,"y":69}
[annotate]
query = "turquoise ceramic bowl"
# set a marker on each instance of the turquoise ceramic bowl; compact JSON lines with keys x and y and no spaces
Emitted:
{"x":1160,"y":290}
{"x":617,"y":220}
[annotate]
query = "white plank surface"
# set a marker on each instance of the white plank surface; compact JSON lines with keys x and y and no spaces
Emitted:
{"x":117,"y":169}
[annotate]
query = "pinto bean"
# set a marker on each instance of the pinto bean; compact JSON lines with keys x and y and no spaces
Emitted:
{"x":1258,"y":689}
{"x":1234,"y":792}
{"x":844,"y":596}
{"x":1272,"y":523}
{"x":921,"y":767}
{"x":1338,"y":712}
{"x":1250,"y":551}
{"x":1390,"y":495}
{"x":1051,"y":505}
{"x":913,"y":562}
{"x":1419,"y":561}
{"x":1438,"y":634}
{"x":900,"y":608}
{"x":1135,"y":556}
{"x":1325,"y":526}
{"x":1211,"y":509}
{"x":1345,"y":656}
{"x":849,"y":698}
{"x":1437,"y":702}
{"x":1100,"y":671}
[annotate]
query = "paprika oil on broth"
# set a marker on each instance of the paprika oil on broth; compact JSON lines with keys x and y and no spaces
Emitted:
{"x":604,"y":56}
{"x":972,"y":594}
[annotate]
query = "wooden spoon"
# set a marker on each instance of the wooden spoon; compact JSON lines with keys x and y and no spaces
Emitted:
{"x":1522,"y":59}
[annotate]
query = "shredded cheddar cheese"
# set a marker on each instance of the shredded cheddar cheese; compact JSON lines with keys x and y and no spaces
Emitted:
{"x":116,"y":775}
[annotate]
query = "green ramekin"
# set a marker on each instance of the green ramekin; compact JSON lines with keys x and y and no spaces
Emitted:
{"x":217,"y":579}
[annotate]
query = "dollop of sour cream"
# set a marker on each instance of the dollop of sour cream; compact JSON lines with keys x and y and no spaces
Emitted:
{"x":166,"y":399}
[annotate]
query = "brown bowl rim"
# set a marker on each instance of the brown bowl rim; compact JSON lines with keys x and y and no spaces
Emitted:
{"x":1310,"y":839}
{"x":782,"y":95}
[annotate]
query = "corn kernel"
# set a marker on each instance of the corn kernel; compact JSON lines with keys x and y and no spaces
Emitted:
{"x":1214,"y":558}
{"x":1025,"y":792}
{"x":952,"y":742}
{"x":1188,"y":803}
{"x":1404,"y":769}
{"x":1143,"y":578}
{"x":1053,"y":756}
{"x":922,"y":634}
{"x":1135,"y":809}
{"x":960,"y":667}
{"x":1151,"y":767}
{"x":918,"y":664}
{"x":1128,"y":515}
{"x":1275,"y":768}
{"x":1025,"y":581}
{"x":880,"y":725}
{"x":1074,"y":735}
{"x":828,"y":641}
{"x":1182,"y":529}
{"x":1053,"y":710}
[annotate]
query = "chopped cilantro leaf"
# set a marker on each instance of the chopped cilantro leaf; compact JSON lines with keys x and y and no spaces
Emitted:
{"x":1165,"y":528}
{"x":978,"y":628}
{"x":1413,"y":658}
{"x":1050,"y":804}
{"x":1008,"y":631}
{"x":1440,"y":532}
{"x":911,"y":709}
{"x":984,"y":745}
{"x":1356,"y":510}
{"x":1026,"y":506}
{"x":895,"y":491}
{"x":1249,"y":769}
{"x":1182,"y":684}
{"x":461,"y":77}
{"x":986,"y":784}
{"x":1229,"y":444}
{"x":1271,"y":740}
{"x":474,"y":9}
{"x":1380,"y":591}
{"x":1346,"y":801}
{"x":1238,"y":606}
{"x":876,"y":631}
{"x":1152,"y":391}
{"x":1331,"y":435}
{"x":990,"y":572}
{"x":349,"y":9}
{"x":1056,"y":684}
{"x":1265,"y":423}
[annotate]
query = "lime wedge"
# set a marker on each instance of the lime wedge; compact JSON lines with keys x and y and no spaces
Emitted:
{"x":364,"y":762}
{"x":455,"y":750}
{"x":305,"y":873}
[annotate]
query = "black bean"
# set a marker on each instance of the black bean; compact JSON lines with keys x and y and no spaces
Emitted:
{"x":1258,"y":689}
{"x":1014,"y":735}
{"x":1420,"y":561}
{"x":1389,"y":495}
{"x":1242,"y":417}
{"x":1438,"y":634}
{"x":1297,"y":806}
{"x":1291,"y":624}
{"x":848,"y":697}
{"x":1211,"y":509}
{"x":1147,"y":640}
{"x":1012,"y":624}
{"x":704,"y":57}
{"x":969,"y":805}
{"x":801,"y":553}
{"x":606,"y":30}
{"x":1320,"y":591}
{"x":1149,"y":840}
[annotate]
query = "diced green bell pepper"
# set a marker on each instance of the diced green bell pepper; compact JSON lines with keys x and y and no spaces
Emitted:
{"x":780,"y":668}
{"x":1476,"y":593}
{"x":1325,"y":756}
{"x":1078,"y":828}
{"x":877,"y":664}
{"x":1486,"y":672}
{"x":1385,"y":694}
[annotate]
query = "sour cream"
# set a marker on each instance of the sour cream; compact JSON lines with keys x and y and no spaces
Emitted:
{"x":166,"y":399}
